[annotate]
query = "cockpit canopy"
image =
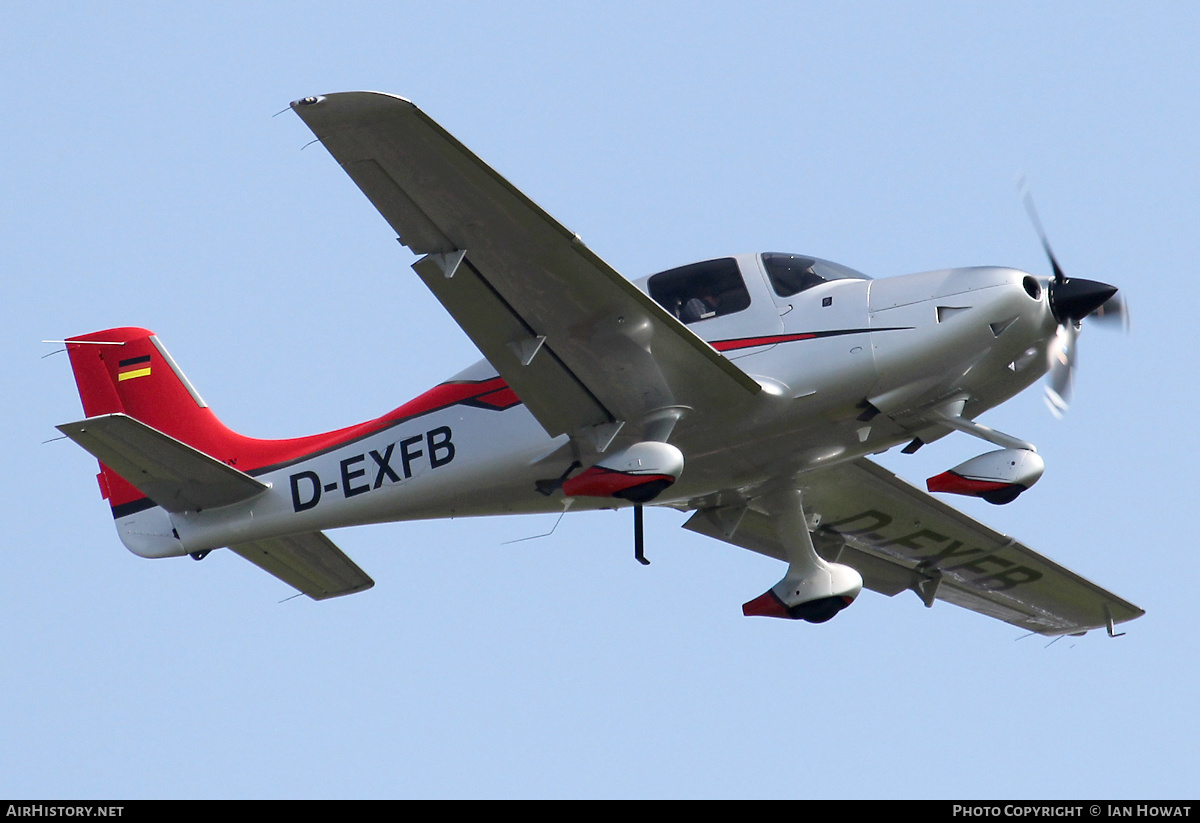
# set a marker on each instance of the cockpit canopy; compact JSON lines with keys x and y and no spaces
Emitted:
{"x":793,"y":273}
{"x":714,"y":288}
{"x":701,"y":290}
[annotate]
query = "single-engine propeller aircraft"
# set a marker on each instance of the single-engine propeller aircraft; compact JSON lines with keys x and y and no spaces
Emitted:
{"x":747,"y":390}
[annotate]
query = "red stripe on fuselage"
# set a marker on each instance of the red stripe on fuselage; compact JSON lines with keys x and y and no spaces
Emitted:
{"x":439,"y":397}
{"x":500,"y":399}
{"x":255,"y":456}
{"x":772,"y":339}
{"x":767,"y":340}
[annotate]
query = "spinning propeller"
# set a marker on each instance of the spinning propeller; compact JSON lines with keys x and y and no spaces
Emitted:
{"x":1071,"y":300}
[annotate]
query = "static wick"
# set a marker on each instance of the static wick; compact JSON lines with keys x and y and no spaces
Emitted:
{"x":535,"y":536}
{"x":82,"y":343}
{"x":89,"y":342}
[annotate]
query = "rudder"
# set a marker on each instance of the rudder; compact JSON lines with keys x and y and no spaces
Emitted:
{"x":128,"y":370}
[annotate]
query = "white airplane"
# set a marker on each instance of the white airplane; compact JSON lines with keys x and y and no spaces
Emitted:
{"x":747,"y":390}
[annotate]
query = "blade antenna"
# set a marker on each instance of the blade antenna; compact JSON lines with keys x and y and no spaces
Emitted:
{"x":639,"y":540}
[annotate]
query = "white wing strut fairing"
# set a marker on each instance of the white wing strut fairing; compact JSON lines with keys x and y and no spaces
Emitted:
{"x":747,"y":389}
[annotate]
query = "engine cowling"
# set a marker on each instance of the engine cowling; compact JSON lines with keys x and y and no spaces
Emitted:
{"x":998,"y":477}
{"x":638,"y":473}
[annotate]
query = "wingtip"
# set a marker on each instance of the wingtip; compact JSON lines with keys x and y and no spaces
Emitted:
{"x":307,"y":101}
{"x":360,"y":98}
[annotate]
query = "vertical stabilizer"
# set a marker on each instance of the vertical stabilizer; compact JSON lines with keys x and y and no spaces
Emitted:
{"x":128,"y":370}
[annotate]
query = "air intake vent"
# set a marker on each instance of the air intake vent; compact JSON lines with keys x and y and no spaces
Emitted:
{"x":998,"y":328}
{"x":944,"y":313}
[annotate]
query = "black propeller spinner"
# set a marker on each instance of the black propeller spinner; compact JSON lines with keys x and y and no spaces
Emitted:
{"x":1071,"y":300}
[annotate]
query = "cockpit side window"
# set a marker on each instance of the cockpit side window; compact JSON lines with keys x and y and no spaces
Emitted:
{"x":792,"y":273}
{"x":702,"y":290}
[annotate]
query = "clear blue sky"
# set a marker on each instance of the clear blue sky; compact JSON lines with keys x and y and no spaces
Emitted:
{"x":146,"y":183}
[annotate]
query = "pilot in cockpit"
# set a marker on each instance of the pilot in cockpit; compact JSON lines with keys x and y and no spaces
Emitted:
{"x":700,"y":306}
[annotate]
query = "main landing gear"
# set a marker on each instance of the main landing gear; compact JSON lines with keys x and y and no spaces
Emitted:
{"x":813,"y":589}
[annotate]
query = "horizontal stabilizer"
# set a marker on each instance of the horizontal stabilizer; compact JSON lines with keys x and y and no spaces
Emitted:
{"x":172,"y":474}
{"x":309,"y":562}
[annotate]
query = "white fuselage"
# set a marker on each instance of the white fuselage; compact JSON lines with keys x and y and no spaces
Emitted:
{"x":848,"y":367}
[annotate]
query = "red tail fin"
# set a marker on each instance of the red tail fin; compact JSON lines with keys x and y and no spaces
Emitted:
{"x":129,"y":371}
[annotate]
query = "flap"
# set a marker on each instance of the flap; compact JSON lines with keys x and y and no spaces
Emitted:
{"x":581,"y":345}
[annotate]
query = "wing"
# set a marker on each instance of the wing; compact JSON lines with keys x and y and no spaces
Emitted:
{"x":900,"y":538}
{"x":584,"y":349}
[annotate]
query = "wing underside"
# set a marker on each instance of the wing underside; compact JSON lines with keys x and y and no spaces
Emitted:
{"x":900,"y":538}
{"x":585,"y":350}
